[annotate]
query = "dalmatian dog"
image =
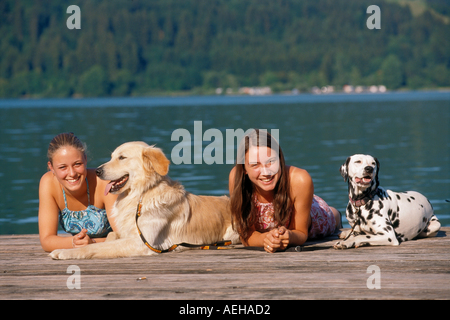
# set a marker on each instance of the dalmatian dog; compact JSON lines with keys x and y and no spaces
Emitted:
{"x":381,"y":217}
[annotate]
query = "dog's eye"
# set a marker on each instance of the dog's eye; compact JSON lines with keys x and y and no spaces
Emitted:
{"x":358,"y":161}
{"x":122,"y":158}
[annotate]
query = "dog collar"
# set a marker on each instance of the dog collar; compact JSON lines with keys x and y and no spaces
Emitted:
{"x":363,"y":201}
{"x":215,"y":246}
{"x":138,"y":214}
{"x":359,"y":203}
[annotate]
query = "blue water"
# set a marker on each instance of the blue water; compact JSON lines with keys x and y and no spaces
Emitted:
{"x":408,"y":132}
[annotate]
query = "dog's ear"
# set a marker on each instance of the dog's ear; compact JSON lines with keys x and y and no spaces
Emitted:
{"x":154,"y":157}
{"x":344,"y":169}
{"x":378,"y":170}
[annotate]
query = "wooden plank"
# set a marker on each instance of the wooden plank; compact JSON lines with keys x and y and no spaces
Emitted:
{"x":417,"y":269}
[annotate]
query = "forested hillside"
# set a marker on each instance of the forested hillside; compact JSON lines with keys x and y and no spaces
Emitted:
{"x":134,"y":47}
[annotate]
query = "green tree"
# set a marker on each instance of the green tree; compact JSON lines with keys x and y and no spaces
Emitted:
{"x":392,"y":72}
{"x":137,"y":47}
{"x":123,"y":84}
{"x":93,"y":82}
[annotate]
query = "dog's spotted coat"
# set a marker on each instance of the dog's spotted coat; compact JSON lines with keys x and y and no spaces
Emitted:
{"x":378,"y":216}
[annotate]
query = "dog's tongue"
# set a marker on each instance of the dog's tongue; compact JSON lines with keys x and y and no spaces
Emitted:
{"x":108,"y":187}
{"x":362,"y":180}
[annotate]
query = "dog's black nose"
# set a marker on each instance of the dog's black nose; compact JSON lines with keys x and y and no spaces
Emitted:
{"x":99,"y":171}
{"x":368,"y":169}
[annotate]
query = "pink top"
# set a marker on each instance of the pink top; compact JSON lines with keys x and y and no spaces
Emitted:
{"x":322,"y":218}
{"x":265,"y":220}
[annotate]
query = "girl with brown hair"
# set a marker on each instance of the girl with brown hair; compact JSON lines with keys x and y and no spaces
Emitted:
{"x":273,"y":205}
{"x":70,"y":184}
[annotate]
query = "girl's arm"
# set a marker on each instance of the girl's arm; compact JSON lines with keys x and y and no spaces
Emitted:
{"x":48,"y":217}
{"x":255,"y":238}
{"x":302,"y":192}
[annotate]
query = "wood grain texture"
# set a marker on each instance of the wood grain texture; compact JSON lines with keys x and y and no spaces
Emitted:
{"x":417,"y":269}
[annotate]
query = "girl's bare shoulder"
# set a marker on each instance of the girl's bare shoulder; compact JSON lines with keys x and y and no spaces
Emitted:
{"x":47,"y":180}
{"x":49,"y":186}
{"x":298,"y":176}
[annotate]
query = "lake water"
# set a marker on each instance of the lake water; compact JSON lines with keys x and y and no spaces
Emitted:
{"x":407,"y":132}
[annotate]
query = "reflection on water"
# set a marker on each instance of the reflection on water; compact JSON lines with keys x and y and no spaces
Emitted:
{"x":409,"y":135}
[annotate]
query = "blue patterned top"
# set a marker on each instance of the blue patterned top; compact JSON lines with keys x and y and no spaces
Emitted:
{"x":93,"y":219}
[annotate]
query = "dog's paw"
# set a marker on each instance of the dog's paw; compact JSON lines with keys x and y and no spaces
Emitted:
{"x":344,"y":234}
{"x":343,"y":245}
{"x":65,"y":254}
{"x":59,"y":254}
{"x":112,"y":236}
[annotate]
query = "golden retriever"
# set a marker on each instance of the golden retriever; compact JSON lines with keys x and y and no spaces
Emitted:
{"x":169,"y":214}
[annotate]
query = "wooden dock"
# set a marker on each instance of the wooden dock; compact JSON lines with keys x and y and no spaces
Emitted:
{"x":417,"y":269}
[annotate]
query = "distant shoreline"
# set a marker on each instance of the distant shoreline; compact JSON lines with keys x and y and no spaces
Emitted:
{"x":195,"y":100}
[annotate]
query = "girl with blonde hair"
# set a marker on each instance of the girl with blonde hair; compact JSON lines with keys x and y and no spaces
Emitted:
{"x":73,"y":195}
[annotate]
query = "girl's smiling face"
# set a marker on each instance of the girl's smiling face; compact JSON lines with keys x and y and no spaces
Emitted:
{"x":262,"y":165}
{"x":69,"y":167}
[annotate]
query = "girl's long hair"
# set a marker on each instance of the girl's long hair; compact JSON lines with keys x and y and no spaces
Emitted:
{"x":243,"y":211}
